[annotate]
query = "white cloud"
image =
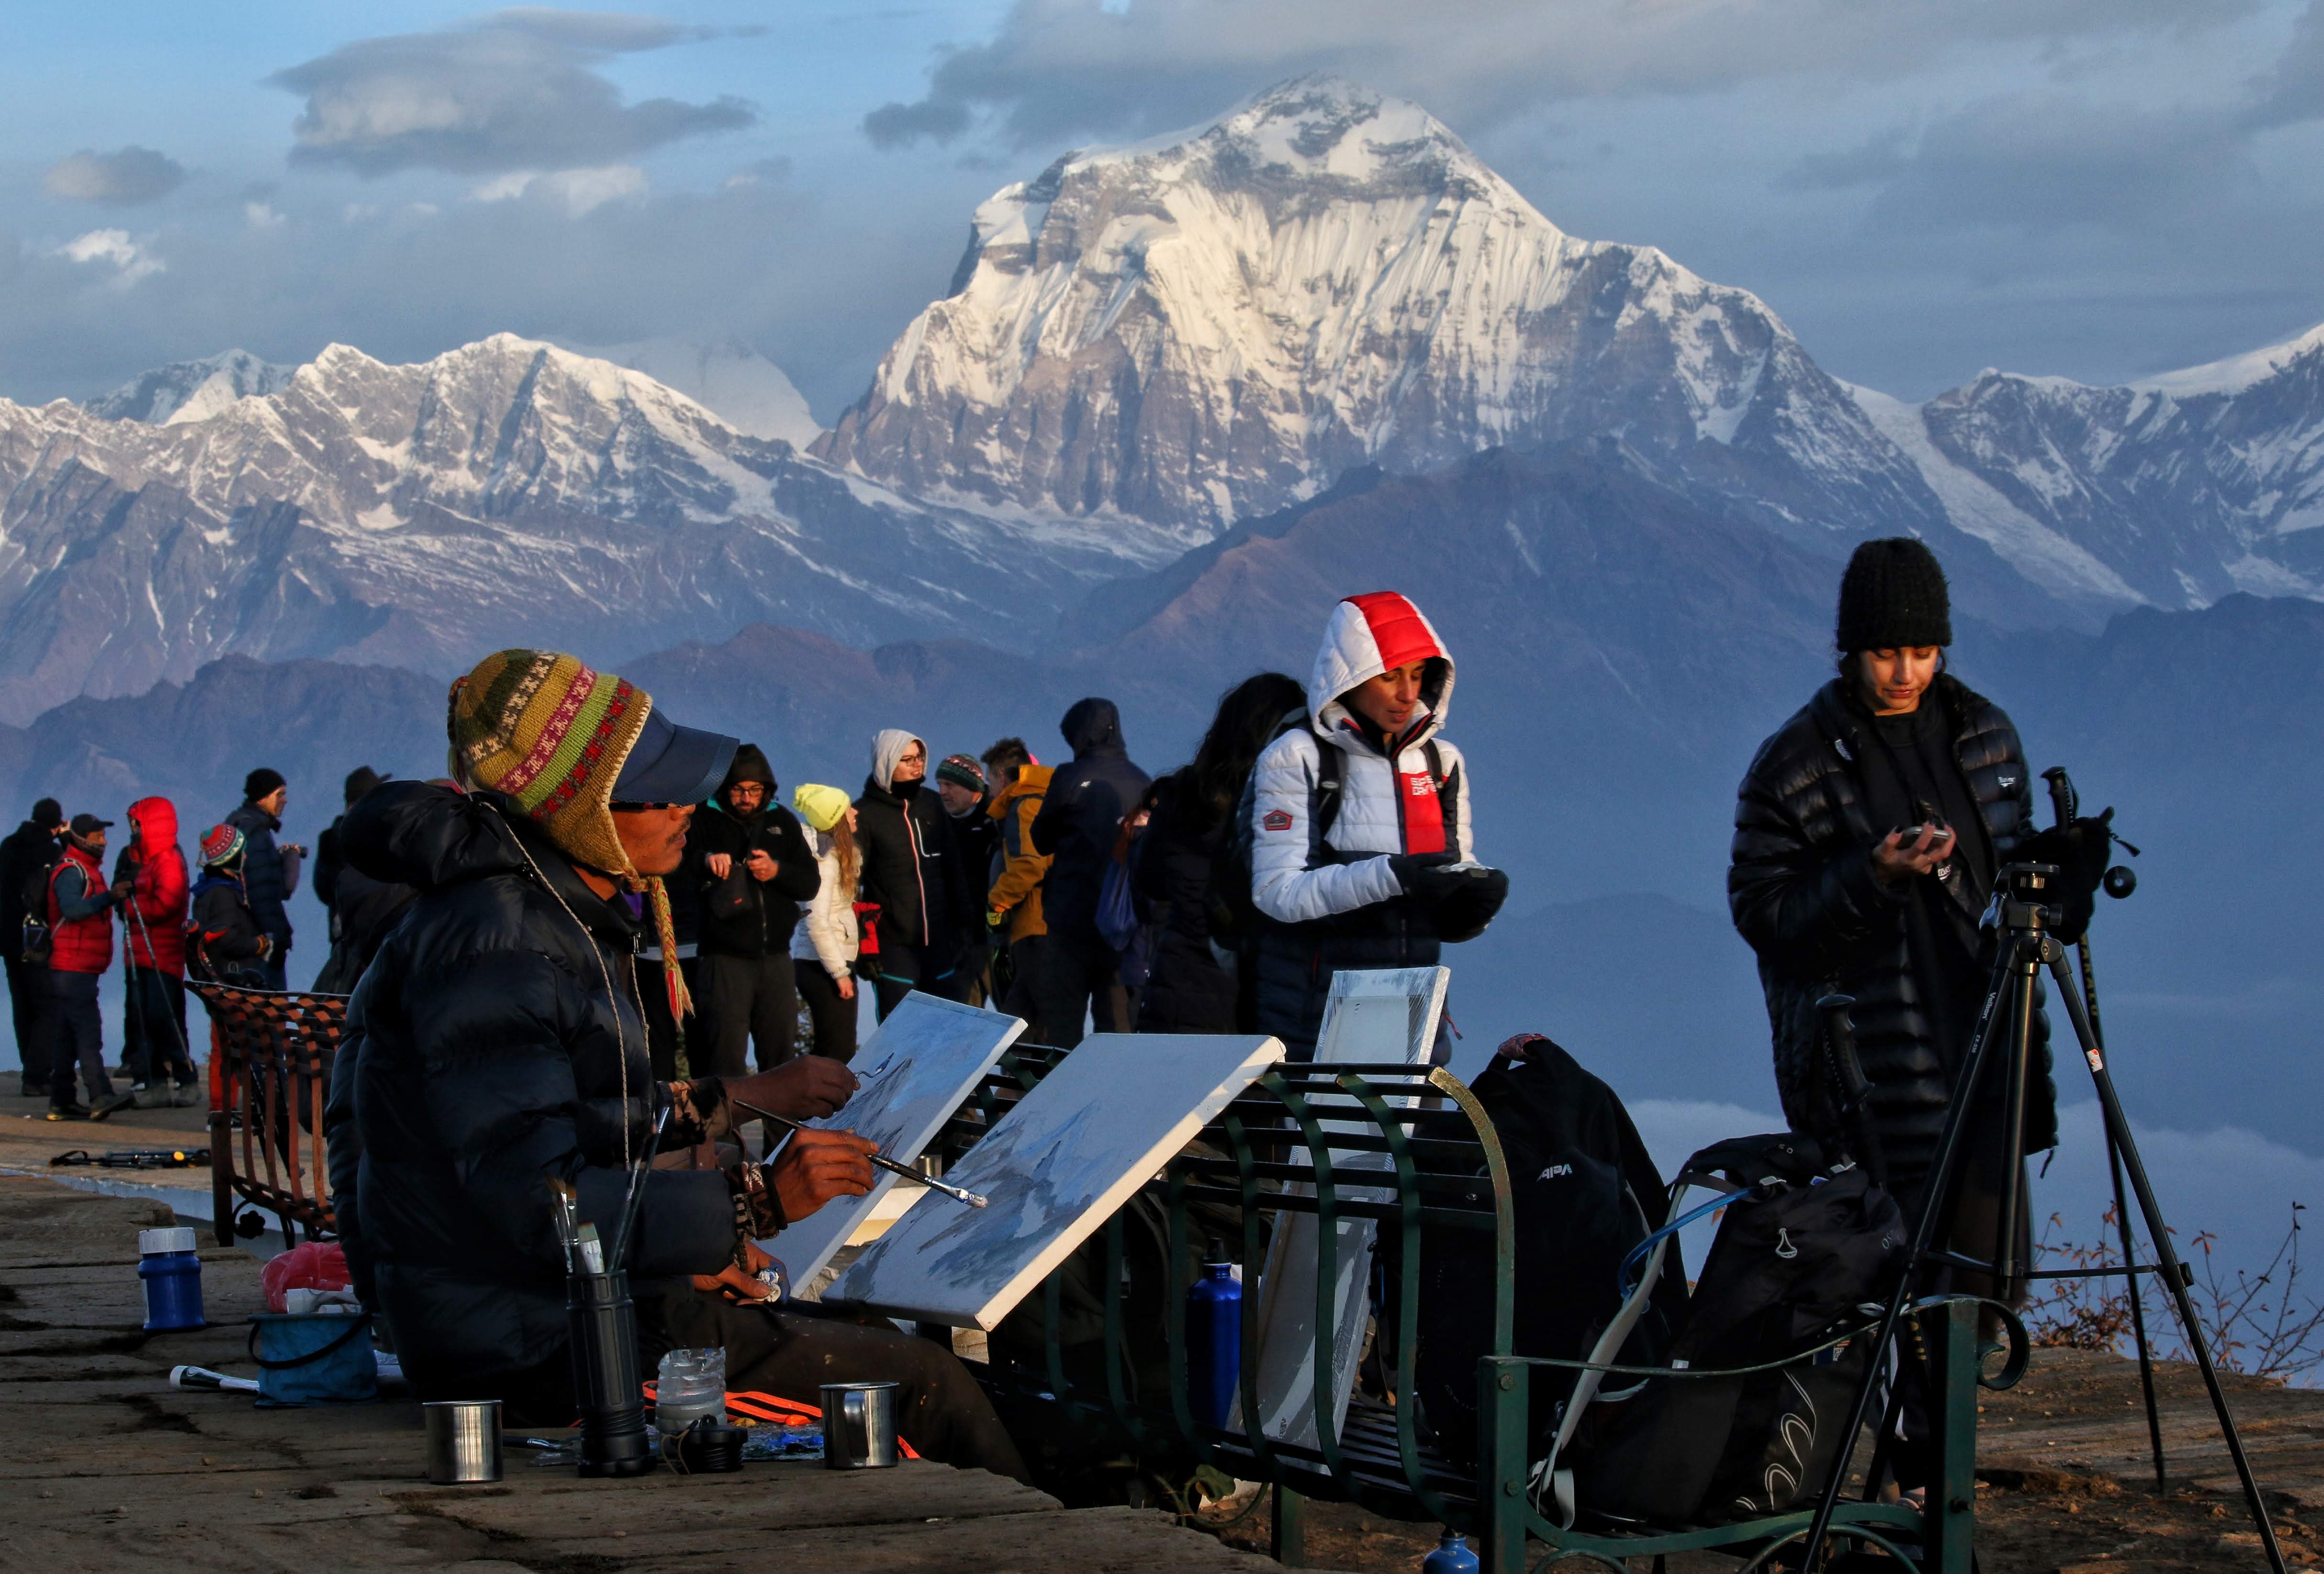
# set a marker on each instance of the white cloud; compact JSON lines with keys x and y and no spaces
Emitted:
{"x":576,"y":191}
{"x":515,"y":90}
{"x":129,"y":260}
{"x":262,"y":215}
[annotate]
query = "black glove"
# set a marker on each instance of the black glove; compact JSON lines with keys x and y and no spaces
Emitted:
{"x":2080,"y":848}
{"x":1474,"y":897}
{"x":1412,"y":871}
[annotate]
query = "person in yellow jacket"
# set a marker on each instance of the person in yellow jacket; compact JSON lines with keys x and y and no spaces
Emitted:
{"x":1014,"y":903}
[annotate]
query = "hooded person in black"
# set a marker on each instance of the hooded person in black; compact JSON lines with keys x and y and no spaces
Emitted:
{"x":751,"y":862}
{"x":1079,"y":823}
{"x":1867,"y":833}
{"x":27,"y":850}
{"x":913,"y":870}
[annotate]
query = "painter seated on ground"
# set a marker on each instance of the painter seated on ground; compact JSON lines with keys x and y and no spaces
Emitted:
{"x":497,"y":1042}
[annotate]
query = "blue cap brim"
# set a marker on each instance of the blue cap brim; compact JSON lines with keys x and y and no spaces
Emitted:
{"x":670,"y":763}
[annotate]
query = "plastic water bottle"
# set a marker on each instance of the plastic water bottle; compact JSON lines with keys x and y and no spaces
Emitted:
{"x":689,"y":1385}
{"x":1451,"y":1556}
{"x":172,"y":1272}
{"x":1214,"y":1338}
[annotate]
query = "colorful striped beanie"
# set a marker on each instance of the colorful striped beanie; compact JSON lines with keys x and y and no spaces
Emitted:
{"x":541,"y":728}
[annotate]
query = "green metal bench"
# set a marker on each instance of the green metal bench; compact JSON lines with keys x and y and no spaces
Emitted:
{"x":1284,"y":1146}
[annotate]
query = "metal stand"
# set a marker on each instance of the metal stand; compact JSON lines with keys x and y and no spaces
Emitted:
{"x":2027,"y":948}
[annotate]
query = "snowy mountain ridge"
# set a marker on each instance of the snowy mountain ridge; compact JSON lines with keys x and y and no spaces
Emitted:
{"x":504,"y":490}
{"x":2175,"y":489}
{"x":191,"y":390}
{"x":1213,"y":324}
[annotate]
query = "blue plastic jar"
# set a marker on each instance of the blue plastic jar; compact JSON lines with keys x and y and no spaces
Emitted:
{"x":1451,"y":1556}
{"x":172,"y":1272}
{"x":1214,"y":1339}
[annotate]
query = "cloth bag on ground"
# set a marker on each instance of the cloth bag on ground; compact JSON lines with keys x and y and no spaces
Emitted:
{"x":1804,"y":1252}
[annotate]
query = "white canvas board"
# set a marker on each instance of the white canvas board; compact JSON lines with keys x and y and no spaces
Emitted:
{"x":918,"y":1067}
{"x":1370,"y":1017}
{"x":1099,"y":1126}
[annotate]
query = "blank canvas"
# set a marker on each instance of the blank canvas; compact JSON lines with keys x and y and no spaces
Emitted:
{"x":923,"y":1062}
{"x":1099,"y":1126}
{"x":1383,"y":1014}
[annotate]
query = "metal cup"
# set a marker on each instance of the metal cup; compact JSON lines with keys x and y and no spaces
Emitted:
{"x":463,"y":1440}
{"x":859,"y":1426}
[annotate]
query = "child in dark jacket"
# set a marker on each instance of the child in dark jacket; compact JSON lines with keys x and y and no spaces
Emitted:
{"x":223,"y":944}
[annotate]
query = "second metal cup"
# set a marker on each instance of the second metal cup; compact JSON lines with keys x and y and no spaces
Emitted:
{"x":859,"y":1425}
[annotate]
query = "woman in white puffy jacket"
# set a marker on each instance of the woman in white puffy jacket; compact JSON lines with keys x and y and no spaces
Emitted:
{"x":1362,"y":850}
{"x":825,"y":945}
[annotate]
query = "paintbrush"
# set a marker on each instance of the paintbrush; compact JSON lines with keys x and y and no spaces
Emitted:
{"x":893,"y":1168}
{"x":636,"y":1200}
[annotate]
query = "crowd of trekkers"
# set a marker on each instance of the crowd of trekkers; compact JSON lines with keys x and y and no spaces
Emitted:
{"x":591,"y":944}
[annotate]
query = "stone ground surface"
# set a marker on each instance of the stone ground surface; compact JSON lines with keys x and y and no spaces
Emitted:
{"x":132,"y":1466}
{"x":109,"y":1467}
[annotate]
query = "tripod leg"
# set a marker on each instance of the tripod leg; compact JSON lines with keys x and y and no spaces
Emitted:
{"x":2008,"y":1285}
{"x":2129,"y":1251}
{"x":1934,"y":1196}
{"x":2175,"y":1280}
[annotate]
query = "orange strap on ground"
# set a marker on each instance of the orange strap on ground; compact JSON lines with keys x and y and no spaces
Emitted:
{"x":771,"y":1407}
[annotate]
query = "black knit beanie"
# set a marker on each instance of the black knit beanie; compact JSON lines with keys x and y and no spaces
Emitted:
{"x":1892,"y":598}
{"x":260,"y":783}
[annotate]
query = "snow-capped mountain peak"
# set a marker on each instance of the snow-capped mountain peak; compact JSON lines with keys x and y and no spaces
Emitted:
{"x":191,"y":390}
{"x":1212,"y":323}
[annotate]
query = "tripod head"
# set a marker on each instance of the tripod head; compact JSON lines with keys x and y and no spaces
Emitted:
{"x":2023,"y":897}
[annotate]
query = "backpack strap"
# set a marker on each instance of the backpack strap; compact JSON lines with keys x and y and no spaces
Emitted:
{"x":1323,"y":795}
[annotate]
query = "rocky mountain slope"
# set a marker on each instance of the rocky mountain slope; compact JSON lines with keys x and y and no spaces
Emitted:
{"x":1212,"y":325}
{"x":504,"y":491}
{"x":2176,"y":490}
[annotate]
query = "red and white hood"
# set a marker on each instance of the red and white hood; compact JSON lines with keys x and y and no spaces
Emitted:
{"x":1369,"y":634}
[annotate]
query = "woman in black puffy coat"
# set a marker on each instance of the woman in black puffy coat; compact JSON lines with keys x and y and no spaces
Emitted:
{"x":1186,"y":990}
{"x":1840,"y":889}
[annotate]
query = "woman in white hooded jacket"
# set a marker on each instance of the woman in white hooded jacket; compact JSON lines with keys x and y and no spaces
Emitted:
{"x":824,"y":946}
{"x":1361,"y":848}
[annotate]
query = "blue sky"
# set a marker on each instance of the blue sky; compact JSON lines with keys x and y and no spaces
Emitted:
{"x":1922,"y":188}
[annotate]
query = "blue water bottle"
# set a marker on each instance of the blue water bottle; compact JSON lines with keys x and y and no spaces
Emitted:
{"x":172,"y":1272}
{"x":1214,"y":1338}
{"x":1451,"y":1556}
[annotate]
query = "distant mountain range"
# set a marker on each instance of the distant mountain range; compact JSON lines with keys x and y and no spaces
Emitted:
{"x":506,"y":492}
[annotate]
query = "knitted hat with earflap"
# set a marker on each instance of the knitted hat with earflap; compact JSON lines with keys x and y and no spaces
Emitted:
{"x":220,"y":844}
{"x":1892,"y":598}
{"x":821,"y":807}
{"x":544,"y":730}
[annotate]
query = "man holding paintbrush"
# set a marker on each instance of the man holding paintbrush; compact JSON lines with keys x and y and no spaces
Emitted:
{"x":500,"y":1060}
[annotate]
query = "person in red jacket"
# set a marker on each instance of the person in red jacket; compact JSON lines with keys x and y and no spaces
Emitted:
{"x":80,"y":925}
{"x":153,"y":926}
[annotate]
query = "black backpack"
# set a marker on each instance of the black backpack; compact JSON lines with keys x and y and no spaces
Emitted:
{"x":1583,"y":1189}
{"x":39,"y":940}
{"x":1805,"y":1252}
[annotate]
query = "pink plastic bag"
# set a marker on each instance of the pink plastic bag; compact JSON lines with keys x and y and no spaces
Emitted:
{"x":316,"y":1265}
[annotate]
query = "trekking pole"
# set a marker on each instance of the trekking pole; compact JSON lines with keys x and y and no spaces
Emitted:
{"x":2063,"y":804}
{"x":177,"y":1030}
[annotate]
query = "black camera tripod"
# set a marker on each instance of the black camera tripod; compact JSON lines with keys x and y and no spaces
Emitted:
{"x":2005,"y":1034}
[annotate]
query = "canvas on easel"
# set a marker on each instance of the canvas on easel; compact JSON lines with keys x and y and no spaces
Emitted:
{"x":1385,"y":1014}
{"x":924,"y":1062}
{"x":1057,"y":1165}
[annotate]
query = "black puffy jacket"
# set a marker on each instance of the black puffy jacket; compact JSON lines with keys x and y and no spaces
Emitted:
{"x":1800,"y":890}
{"x":1187,"y":991}
{"x":742,"y":915}
{"x":262,"y":871}
{"x":498,"y":1043}
{"x":914,"y":868}
{"x":1082,"y":816}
